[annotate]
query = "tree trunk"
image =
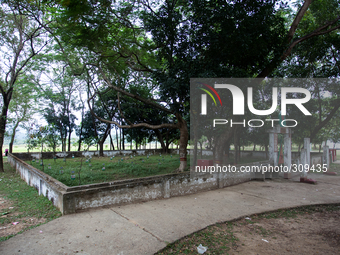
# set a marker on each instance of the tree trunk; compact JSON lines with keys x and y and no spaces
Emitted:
{"x":2,"y":132}
{"x":62,"y":140}
{"x":163,"y":146}
{"x":79,"y":144}
{"x":13,"y":137}
{"x":201,"y":149}
{"x":219,"y":147}
{"x":117,"y":139}
{"x":69,"y":141}
{"x":101,"y":148}
{"x":167,"y":145}
{"x":81,"y":124}
{"x":120,"y":139}
{"x":235,"y":147}
{"x":3,"y":120}
{"x":161,"y":140}
{"x":102,"y":141}
{"x":42,"y":158}
{"x":194,"y":161}
{"x":111,"y":142}
{"x":123,"y":143}
{"x":167,"y":142}
{"x":183,"y":142}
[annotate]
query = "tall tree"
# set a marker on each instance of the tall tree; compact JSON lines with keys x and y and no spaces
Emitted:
{"x":21,"y":109}
{"x":21,"y":40}
{"x":314,"y":52}
{"x":62,"y":102}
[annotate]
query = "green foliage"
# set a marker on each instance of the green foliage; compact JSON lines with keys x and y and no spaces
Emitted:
{"x":38,"y":136}
{"x":212,"y":39}
{"x":61,"y":103}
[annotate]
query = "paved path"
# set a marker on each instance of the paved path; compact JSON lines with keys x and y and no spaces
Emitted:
{"x":144,"y":228}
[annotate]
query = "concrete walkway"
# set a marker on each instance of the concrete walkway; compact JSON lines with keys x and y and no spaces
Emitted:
{"x":145,"y":228}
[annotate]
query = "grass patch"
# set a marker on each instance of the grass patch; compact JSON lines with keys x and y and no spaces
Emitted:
{"x":24,"y":202}
{"x":119,"y":167}
{"x":220,"y":238}
{"x":116,"y":168}
{"x":294,"y":212}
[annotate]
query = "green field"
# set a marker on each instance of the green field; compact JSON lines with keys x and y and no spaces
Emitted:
{"x":77,"y":171}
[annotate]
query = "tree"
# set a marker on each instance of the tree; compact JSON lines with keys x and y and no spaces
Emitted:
{"x":61,"y":103}
{"x":52,"y":139}
{"x":112,"y":45}
{"x":315,"y":54}
{"x":94,"y":130}
{"x":189,"y":38}
{"x":21,"y":108}
{"x":203,"y":38}
{"x":38,"y":136}
{"x":21,"y":40}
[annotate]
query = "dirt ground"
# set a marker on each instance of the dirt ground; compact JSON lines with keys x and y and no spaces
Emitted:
{"x":301,"y":230}
{"x":20,"y":223}
{"x":316,"y":233}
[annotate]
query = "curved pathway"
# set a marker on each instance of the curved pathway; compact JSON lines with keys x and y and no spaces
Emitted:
{"x":144,"y":228}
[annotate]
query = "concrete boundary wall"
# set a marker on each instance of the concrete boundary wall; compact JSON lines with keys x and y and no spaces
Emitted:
{"x":316,"y":158}
{"x":69,"y":154}
{"x":72,"y":199}
{"x":43,"y":183}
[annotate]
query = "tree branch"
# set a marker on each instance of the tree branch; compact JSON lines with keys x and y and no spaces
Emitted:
{"x":325,"y":121}
{"x":146,"y":101}
{"x":275,"y":62}
{"x":297,"y":20}
{"x":129,"y":126}
{"x":316,"y":32}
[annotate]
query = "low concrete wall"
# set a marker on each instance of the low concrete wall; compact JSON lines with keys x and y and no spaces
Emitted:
{"x":71,"y":199}
{"x":45,"y":184}
{"x":69,"y":154}
{"x":261,"y":155}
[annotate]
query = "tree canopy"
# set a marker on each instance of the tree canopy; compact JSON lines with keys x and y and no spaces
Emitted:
{"x":134,"y":61}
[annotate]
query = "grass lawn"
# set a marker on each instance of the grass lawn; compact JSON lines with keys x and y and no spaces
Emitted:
{"x":104,"y":169}
{"x":21,"y":203}
{"x":77,"y":171}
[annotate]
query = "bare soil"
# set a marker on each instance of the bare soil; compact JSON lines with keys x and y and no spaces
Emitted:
{"x":303,"y":230}
{"x":23,"y":223}
{"x":20,"y":223}
{"x":317,"y":233}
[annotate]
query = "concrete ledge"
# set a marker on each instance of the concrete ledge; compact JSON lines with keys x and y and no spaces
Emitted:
{"x":68,"y":154}
{"x":72,"y":199}
{"x":43,"y":183}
